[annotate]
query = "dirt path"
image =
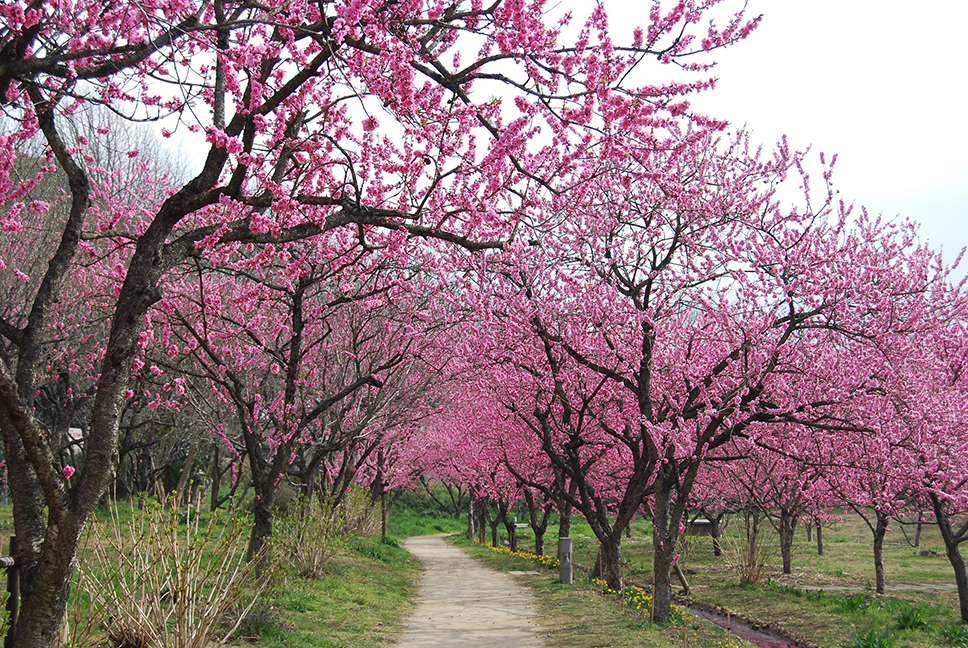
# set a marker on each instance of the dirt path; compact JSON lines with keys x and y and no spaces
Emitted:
{"x":462,"y":603}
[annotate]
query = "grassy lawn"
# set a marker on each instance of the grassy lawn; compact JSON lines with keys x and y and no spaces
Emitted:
{"x":360,"y":601}
{"x":362,"y":597}
{"x":828,"y":618}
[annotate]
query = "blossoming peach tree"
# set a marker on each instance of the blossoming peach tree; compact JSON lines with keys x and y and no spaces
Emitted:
{"x":362,"y":124}
{"x":676,"y":304}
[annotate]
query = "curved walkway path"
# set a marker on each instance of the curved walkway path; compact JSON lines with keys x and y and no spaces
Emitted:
{"x":462,"y":603}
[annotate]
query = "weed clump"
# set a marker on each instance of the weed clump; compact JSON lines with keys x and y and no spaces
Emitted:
{"x":914,"y":617}
{"x":872,"y":639}
{"x":955,"y":634}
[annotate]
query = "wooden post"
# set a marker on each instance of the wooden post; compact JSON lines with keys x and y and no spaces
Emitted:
{"x":13,"y":601}
{"x":682,"y":579}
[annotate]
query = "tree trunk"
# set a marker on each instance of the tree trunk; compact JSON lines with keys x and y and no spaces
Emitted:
{"x":511,"y":529}
{"x":665,"y":549}
{"x":492,"y":521}
{"x":45,"y":589}
{"x":456,"y":499}
{"x":917,"y":535}
{"x":181,"y":490}
{"x":788,"y":524}
{"x":261,"y":529}
{"x":538,"y":518}
{"x":216,"y":474}
{"x":809,"y":533}
{"x":961,"y":579}
{"x":504,"y":515}
{"x":564,"y":521}
{"x":481,"y":523}
{"x":880,"y":530}
{"x":951,"y":542}
{"x":471,"y":516}
{"x":610,"y":555}
{"x":384,"y":514}
{"x":716,"y":531}
{"x":819,"y":539}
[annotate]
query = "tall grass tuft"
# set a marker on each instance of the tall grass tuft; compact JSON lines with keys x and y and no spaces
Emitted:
{"x":165,"y":578}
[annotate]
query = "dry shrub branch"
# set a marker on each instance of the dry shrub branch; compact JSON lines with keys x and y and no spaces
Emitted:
{"x":167,"y":578}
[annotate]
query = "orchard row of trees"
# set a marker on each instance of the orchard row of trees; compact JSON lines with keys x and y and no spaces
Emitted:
{"x":796,"y":362}
{"x":459,"y":239}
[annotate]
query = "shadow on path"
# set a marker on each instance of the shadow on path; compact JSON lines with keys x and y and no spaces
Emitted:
{"x":462,"y":603}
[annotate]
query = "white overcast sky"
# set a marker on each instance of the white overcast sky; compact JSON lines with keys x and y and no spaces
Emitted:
{"x":881,"y":83}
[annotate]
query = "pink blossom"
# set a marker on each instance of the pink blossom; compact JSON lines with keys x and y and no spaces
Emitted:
{"x":68,"y":471}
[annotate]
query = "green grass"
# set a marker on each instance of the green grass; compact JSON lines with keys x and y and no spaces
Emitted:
{"x":361,"y":601}
{"x":836,"y":617}
{"x":416,"y":514}
{"x":363,"y":596}
{"x":827,"y":619}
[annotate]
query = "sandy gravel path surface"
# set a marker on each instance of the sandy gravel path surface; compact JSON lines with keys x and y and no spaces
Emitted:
{"x":462,"y":603}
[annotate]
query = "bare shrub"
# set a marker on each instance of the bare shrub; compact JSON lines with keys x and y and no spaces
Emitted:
{"x":304,"y":534}
{"x":751,"y":553}
{"x":357,"y":514}
{"x":164,"y":578}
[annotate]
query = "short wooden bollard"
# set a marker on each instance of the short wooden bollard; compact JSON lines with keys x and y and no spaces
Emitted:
{"x":565,"y":569}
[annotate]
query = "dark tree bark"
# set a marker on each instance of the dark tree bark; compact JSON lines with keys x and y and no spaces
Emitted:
{"x":611,"y":561}
{"x":471,"y":515}
{"x":787,"y":525}
{"x":216,"y":475}
{"x":491,"y":519}
{"x":664,"y":547}
{"x":538,"y":518}
{"x":481,"y":509}
{"x":880,"y":530}
{"x":716,"y":531}
{"x":953,"y":537}
{"x":504,"y":515}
